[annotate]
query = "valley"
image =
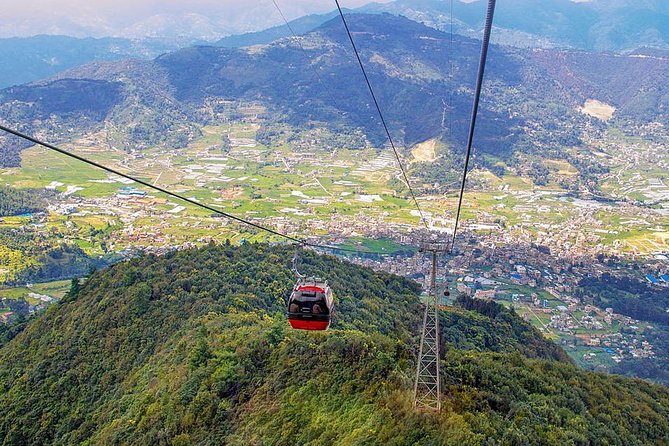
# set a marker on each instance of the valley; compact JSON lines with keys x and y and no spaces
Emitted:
{"x":130,"y":315}
{"x":316,"y":191}
{"x":345,"y":197}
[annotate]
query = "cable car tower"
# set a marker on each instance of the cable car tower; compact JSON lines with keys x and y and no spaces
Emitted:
{"x":427,"y":389}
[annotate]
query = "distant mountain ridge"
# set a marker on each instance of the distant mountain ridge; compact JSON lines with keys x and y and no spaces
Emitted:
{"x":187,"y":21}
{"x":301,"y":25}
{"x":24,"y":60}
{"x":531,"y":98}
{"x":599,"y":25}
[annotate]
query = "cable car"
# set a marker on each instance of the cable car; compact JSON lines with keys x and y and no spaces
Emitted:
{"x":310,"y":305}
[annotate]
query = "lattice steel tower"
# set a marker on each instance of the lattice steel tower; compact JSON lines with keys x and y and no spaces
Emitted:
{"x":427,"y":389}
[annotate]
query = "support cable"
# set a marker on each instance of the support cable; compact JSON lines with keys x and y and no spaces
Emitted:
{"x":472,"y":124}
{"x":452,"y":76}
{"x":300,"y":242}
{"x":378,"y":109}
{"x":296,"y":39}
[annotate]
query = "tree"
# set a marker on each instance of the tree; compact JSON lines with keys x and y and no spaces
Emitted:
{"x":226,"y":144}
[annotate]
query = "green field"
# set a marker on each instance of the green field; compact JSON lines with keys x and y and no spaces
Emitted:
{"x":52,"y":289}
{"x":293,"y":189}
{"x":384,"y":246}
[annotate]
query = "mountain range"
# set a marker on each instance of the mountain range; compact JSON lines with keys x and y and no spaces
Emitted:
{"x":598,"y":25}
{"x":30,"y":59}
{"x":193,"y":347}
{"x":531,"y":100}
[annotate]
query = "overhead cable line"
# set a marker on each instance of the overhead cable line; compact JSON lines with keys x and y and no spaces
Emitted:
{"x":300,"y":242}
{"x":299,"y":44}
{"x":472,"y":124}
{"x":296,"y":39}
{"x":378,"y":109}
{"x":452,"y":77}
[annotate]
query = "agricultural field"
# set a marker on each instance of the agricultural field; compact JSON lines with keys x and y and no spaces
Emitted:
{"x":35,"y":294}
{"x":639,"y":168}
{"x":339,"y":196}
{"x":348,"y":197}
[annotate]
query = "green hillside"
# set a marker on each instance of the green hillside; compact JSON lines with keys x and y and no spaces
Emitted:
{"x":193,"y":348}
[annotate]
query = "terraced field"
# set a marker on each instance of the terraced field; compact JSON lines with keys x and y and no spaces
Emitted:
{"x":343,"y":193}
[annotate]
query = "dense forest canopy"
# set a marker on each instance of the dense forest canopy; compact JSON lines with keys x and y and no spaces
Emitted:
{"x":20,"y":201}
{"x":10,"y":150}
{"x":193,"y":348}
{"x":480,"y":325}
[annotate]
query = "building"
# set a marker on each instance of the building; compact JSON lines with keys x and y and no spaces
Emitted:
{"x":464,"y":289}
{"x":486,"y":295}
{"x":131,"y":192}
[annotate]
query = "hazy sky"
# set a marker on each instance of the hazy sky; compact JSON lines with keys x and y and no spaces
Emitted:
{"x":109,"y":17}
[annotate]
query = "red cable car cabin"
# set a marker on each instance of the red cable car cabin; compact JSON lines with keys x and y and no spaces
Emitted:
{"x":310,"y":305}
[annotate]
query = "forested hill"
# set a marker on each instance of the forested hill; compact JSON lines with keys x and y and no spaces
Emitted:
{"x":193,"y":348}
